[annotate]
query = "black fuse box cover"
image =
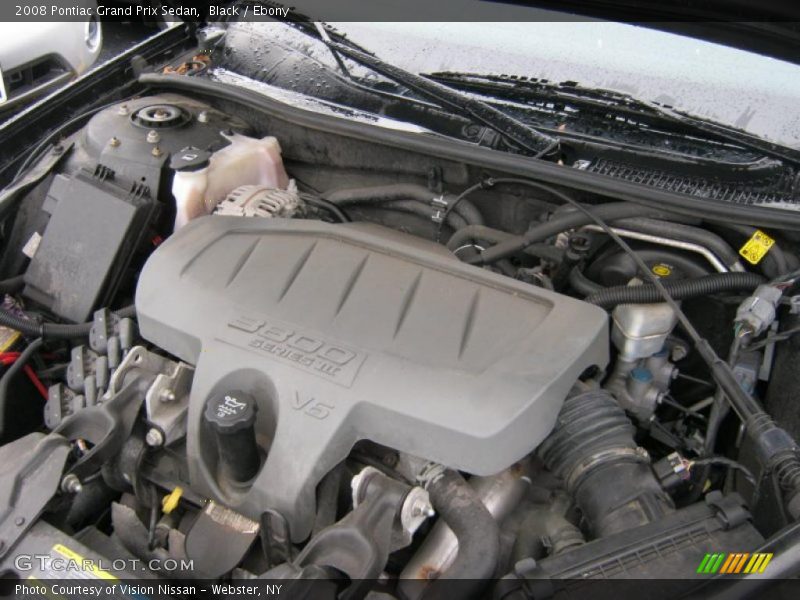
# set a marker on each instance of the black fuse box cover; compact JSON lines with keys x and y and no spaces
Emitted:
{"x":97,"y":224}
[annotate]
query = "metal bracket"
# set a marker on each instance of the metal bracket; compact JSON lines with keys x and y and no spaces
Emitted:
{"x":167,"y":401}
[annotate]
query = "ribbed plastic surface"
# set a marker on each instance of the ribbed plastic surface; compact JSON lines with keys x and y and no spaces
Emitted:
{"x":777,"y":191}
{"x":347,"y":332}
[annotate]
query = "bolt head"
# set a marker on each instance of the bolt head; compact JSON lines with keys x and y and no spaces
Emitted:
{"x":122,"y":110}
{"x":114,"y":142}
{"x":422,"y":506}
{"x":71,"y":484}
{"x":156,"y":151}
{"x":153,"y":137}
{"x":202,"y":116}
{"x":154,"y":438}
{"x":423,"y":509}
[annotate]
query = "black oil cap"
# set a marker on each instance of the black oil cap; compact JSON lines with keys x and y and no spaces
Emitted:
{"x":231,"y":411}
{"x":232,"y":417}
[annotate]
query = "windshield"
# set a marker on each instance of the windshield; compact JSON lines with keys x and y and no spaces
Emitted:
{"x":741,"y":89}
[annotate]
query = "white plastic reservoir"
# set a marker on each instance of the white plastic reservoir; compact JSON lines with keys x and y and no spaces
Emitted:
{"x":245,"y":161}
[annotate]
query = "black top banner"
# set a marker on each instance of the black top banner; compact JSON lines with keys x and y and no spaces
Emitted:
{"x":766,"y":11}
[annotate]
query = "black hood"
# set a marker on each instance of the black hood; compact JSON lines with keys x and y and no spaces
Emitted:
{"x":768,"y":27}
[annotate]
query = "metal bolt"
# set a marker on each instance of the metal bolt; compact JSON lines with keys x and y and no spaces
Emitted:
{"x":416,"y":508}
{"x":19,"y":521}
{"x":122,"y":110}
{"x":202,"y":116}
{"x":156,"y":151}
{"x":153,"y":137}
{"x":167,"y":396}
{"x":114,"y":142}
{"x":421,"y":506}
{"x":154,"y":438}
{"x":71,"y":484}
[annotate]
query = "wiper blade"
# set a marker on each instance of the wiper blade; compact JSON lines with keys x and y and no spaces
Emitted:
{"x":457,"y":102}
{"x":612,"y":100}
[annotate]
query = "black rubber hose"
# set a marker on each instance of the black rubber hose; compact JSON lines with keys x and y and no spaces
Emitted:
{"x":589,"y":423}
{"x":325,"y":205}
{"x":55,"y":330}
{"x":10,"y":374}
{"x":472,"y":233}
{"x":684,"y":233}
{"x":467,"y":210}
{"x":582,"y":284}
{"x":467,"y":235}
{"x":558,"y":224}
{"x":415,"y":207}
{"x":12,"y":284}
{"x":477,"y":532}
{"x":400,"y":191}
{"x":687,"y":288}
{"x":592,"y":449}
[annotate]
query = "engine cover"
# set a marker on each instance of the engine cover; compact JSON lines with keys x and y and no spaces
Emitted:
{"x":350,"y":332}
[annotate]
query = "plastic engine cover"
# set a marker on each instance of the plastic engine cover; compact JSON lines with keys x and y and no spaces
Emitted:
{"x":349,"y":332}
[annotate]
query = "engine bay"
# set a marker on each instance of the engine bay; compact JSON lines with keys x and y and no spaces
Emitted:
{"x":271,"y":352}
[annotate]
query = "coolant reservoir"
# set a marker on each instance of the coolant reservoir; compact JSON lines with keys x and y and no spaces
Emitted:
{"x":202,"y":181}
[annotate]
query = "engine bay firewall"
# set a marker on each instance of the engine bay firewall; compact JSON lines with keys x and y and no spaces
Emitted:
{"x":350,"y":332}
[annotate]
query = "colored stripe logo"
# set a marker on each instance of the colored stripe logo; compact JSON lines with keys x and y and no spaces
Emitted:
{"x":734,"y":563}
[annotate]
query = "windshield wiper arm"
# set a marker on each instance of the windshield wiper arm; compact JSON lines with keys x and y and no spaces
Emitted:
{"x":453,"y":100}
{"x":617,"y":101}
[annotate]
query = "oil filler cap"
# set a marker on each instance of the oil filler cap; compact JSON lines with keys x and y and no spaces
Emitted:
{"x":231,"y":411}
{"x":232,"y":418}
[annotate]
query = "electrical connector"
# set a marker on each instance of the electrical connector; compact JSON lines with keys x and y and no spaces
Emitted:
{"x":757,"y":312}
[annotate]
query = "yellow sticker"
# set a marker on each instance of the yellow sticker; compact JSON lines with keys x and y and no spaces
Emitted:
{"x":756,"y":247}
{"x":87,"y":565}
{"x":8,"y":337}
{"x":662,"y":270}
